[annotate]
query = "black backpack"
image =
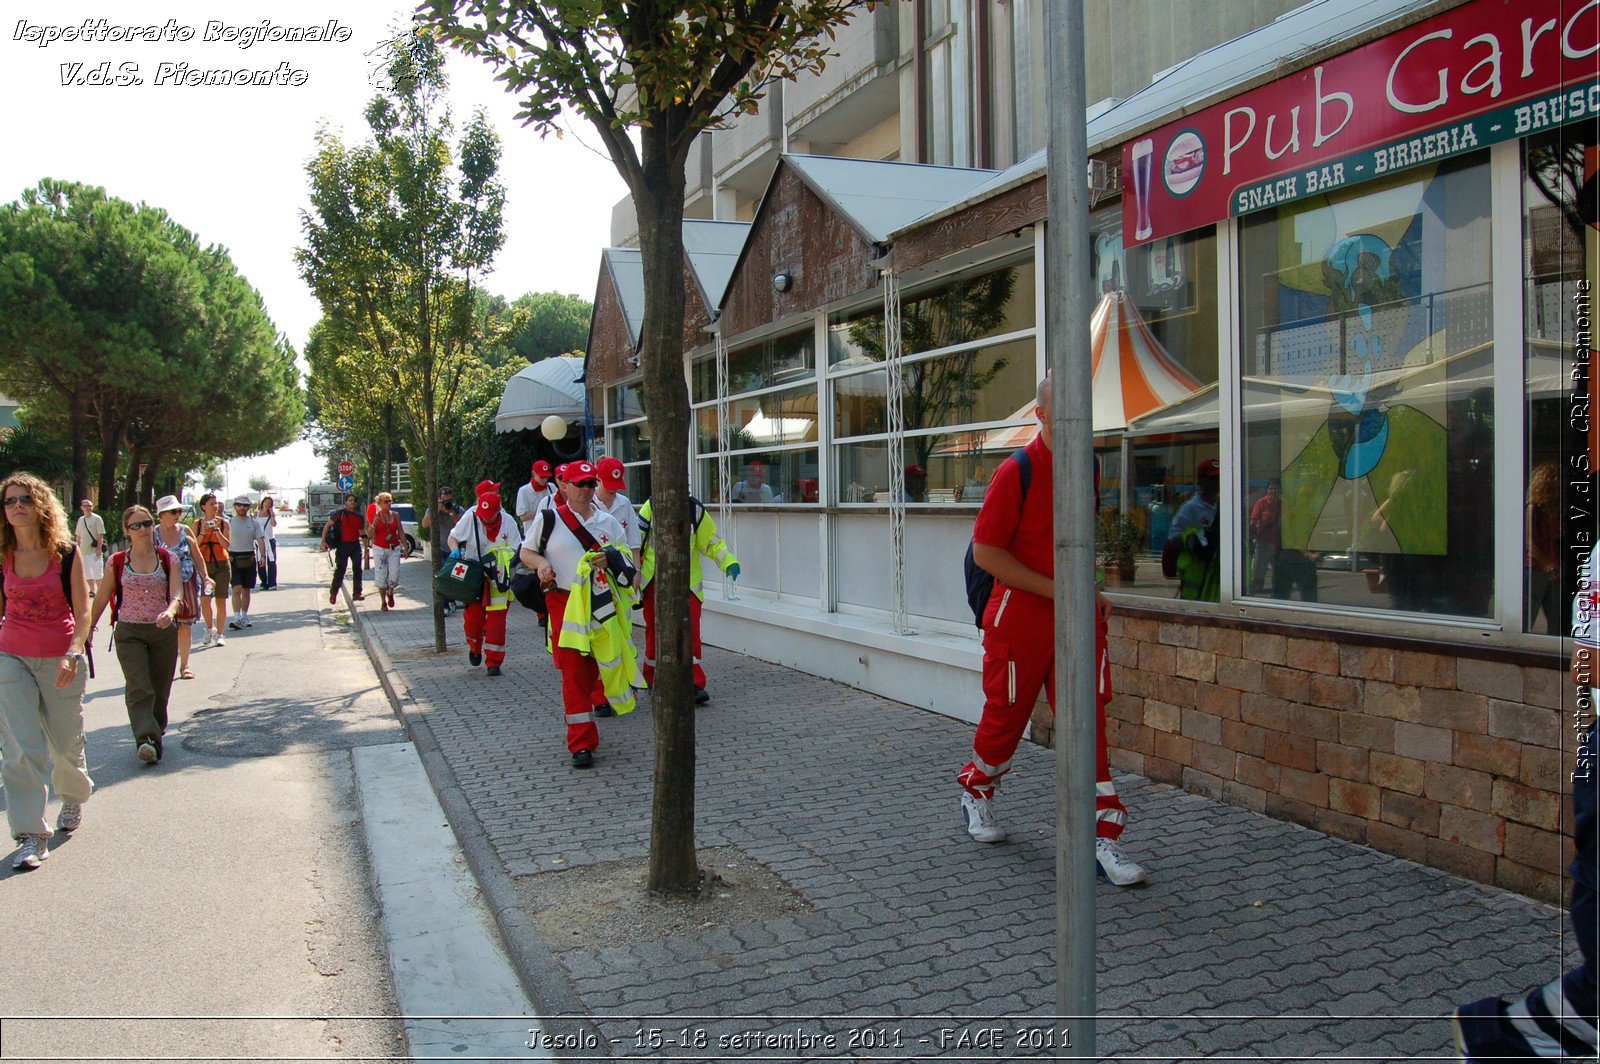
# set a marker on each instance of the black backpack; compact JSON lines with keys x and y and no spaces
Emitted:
{"x":980,"y":584}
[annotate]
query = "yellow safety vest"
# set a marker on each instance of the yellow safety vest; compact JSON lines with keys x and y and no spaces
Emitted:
{"x":706,"y":540}
{"x":598,"y":621}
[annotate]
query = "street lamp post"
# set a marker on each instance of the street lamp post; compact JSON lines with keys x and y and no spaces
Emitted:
{"x":1068,"y":308}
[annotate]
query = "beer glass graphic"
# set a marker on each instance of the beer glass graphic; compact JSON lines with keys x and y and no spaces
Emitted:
{"x":1143,"y":157}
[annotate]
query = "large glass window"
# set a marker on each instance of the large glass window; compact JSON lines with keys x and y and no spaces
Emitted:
{"x":769,"y":425}
{"x":1561,"y":250}
{"x":1367,"y":398}
{"x":629,"y":437}
{"x":768,"y":478}
{"x":970,"y":365}
{"x":1155,"y":394}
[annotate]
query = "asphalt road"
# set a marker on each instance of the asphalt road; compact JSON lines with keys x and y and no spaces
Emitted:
{"x":217,"y":904}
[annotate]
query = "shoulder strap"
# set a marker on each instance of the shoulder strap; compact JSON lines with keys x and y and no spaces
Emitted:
{"x":66,"y":571}
{"x":547,"y":518}
{"x":1024,"y":471}
{"x":118,"y":560}
{"x":570,"y":519}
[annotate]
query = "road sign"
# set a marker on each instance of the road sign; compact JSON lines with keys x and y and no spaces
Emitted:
{"x":347,"y":468}
{"x":347,"y":482}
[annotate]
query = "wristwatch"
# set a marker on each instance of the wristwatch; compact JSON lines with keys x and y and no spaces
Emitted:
{"x":78,"y":657}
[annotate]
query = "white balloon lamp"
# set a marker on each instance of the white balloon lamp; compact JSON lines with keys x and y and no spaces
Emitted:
{"x":554,"y":427}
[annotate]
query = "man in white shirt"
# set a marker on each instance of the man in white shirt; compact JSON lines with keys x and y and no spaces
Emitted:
{"x":609,"y":498}
{"x":557,"y":567}
{"x":91,"y":536}
{"x":486,"y":532}
{"x":536,"y":494}
{"x":753,"y":488}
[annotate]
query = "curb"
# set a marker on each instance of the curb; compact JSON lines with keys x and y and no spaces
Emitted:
{"x":531,"y":957}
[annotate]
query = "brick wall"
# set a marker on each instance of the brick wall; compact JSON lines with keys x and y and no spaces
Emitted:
{"x":1451,"y":761}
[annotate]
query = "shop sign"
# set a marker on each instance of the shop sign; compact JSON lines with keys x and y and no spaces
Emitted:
{"x":1484,"y":72}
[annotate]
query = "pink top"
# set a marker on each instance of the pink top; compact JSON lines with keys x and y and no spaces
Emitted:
{"x":38,"y":621}
{"x":144,"y":595}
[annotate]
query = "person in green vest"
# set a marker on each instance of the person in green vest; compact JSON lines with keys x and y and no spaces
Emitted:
{"x":706,"y":541}
{"x":1197,"y":526}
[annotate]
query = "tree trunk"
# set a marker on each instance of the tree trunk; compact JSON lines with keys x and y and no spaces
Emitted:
{"x":147,"y":483}
{"x":130,"y":486}
{"x":110,"y":449}
{"x":437,"y":534}
{"x":80,"y":446}
{"x":673,"y":868}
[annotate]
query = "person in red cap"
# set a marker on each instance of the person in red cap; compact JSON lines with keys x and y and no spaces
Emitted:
{"x":572,"y":519}
{"x":1014,"y":541}
{"x":538,"y":492}
{"x":754,"y":486}
{"x":1195,"y":527}
{"x":609,"y":498}
{"x":487,"y":532}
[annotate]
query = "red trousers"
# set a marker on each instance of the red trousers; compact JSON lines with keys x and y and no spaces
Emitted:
{"x":486,"y":632}
{"x":580,"y":678}
{"x":1018,"y":659}
{"x":650,"y":636}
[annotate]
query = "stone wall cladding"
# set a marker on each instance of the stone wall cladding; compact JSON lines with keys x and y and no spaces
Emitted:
{"x":1452,"y":761}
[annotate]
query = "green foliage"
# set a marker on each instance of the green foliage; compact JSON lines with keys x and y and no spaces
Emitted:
{"x":118,"y":328}
{"x":260,"y":483}
{"x":399,"y":230}
{"x":213,"y":479}
{"x":43,"y":454}
{"x":1117,"y":540}
{"x":557,"y":325}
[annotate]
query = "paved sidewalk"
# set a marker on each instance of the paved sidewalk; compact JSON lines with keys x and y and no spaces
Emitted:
{"x":1254,"y":937}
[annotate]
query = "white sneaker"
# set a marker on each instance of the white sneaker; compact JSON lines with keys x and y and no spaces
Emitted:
{"x":220,"y":640}
{"x":1116,"y":865}
{"x":35,"y":848}
{"x":246,"y":621}
{"x":981,"y":824}
{"x":71,"y":817}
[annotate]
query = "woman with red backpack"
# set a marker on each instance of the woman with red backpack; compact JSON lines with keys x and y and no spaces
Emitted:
{"x":144,"y":588}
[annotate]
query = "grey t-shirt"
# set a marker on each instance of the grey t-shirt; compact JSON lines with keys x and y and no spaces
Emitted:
{"x":242,"y":535}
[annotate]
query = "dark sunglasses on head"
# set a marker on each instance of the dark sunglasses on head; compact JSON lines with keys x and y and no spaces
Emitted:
{"x":19,"y":500}
{"x":139,"y":526}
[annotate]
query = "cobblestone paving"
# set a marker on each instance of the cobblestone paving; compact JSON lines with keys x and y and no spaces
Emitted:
{"x":1254,"y":938}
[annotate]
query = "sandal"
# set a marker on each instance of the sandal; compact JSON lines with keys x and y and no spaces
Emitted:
{"x":186,"y":673}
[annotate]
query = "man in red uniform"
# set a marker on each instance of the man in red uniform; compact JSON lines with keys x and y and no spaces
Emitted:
{"x":1014,"y":541}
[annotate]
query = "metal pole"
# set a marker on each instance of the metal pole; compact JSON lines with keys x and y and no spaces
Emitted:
{"x":1068,"y":308}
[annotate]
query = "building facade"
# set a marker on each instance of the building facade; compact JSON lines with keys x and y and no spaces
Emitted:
{"x":1348,"y":253}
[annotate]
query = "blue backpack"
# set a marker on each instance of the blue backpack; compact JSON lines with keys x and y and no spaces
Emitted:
{"x":980,"y":584}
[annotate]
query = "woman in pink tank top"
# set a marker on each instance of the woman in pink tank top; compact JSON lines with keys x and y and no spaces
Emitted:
{"x":144,"y":588}
{"x":43,"y":629}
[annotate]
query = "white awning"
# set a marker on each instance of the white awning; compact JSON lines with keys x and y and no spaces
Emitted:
{"x":550,"y":386}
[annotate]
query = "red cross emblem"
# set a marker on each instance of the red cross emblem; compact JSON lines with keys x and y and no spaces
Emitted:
{"x":459,"y":570}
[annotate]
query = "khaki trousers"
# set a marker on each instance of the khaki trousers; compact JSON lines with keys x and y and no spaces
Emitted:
{"x":149,"y":657}
{"x":40,"y":725}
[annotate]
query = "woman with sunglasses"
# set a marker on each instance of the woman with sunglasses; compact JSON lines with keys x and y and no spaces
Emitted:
{"x":42,"y":666}
{"x":144,"y":588}
{"x":180,"y":541}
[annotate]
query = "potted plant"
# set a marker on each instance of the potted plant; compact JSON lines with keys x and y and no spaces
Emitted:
{"x":1117,"y":539}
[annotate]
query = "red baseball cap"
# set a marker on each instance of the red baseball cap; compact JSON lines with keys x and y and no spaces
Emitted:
{"x":1209,"y":468}
{"x":485,"y":486}
{"x":611,"y":473}
{"x":573,"y":472}
{"x":541,"y":469}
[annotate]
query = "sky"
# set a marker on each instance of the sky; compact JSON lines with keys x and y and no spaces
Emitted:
{"x":228,"y":162}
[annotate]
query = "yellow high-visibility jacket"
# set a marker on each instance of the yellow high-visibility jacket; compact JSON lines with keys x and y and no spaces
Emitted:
{"x":503,"y":556}
{"x":599,"y":622}
{"x":706,"y":541}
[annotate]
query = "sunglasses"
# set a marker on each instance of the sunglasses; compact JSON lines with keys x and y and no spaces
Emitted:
{"x":585,"y":483}
{"x":139,"y":526}
{"x":19,"y":500}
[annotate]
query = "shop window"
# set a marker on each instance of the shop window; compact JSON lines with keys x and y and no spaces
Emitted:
{"x":768,"y":364}
{"x":1561,"y":251}
{"x":1155,"y":402}
{"x":768,"y":424}
{"x":952,"y":378}
{"x":765,"y":478}
{"x":1367,"y":399}
{"x":628,"y":437}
